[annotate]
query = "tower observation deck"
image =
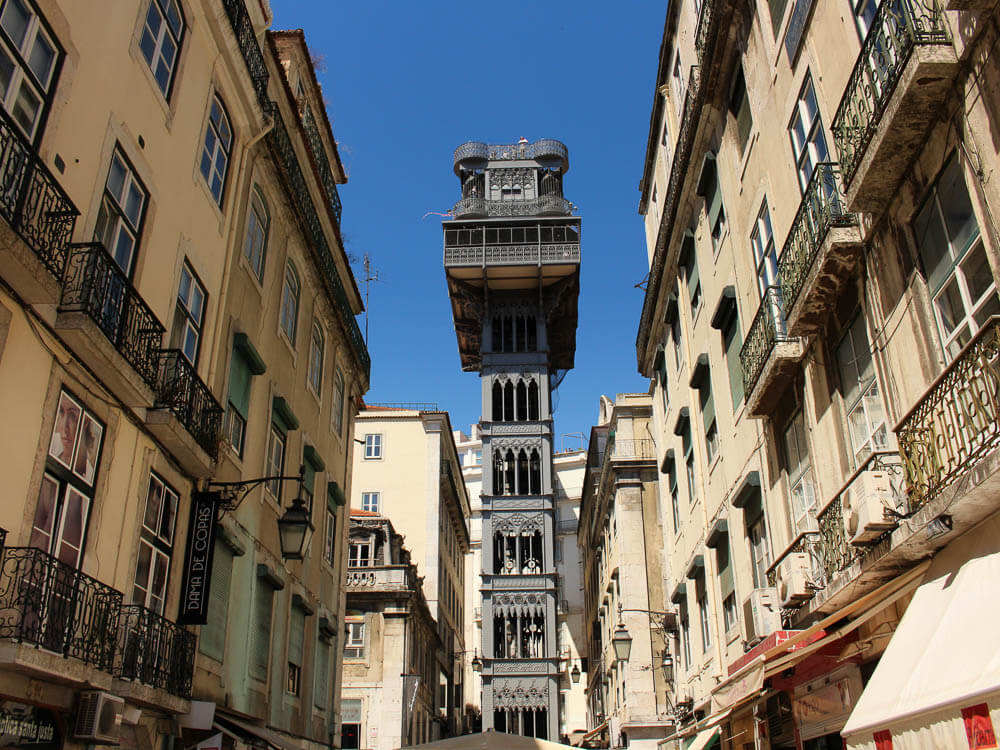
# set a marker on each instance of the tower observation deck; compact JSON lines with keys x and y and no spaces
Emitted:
{"x":512,"y":260}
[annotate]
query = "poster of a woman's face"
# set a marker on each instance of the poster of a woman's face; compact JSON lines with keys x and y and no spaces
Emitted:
{"x":65,"y":429}
{"x":86,"y":453}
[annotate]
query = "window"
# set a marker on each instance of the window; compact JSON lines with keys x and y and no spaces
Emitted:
{"x":678,"y":344}
{"x":296,"y":636}
{"x":707,"y":403}
{"x":691,"y":277}
{"x":360,"y":555}
{"x":808,"y":137}
{"x":322,"y":676}
{"x":704,"y":617}
{"x":660,"y":365}
{"x":316,"y":346}
{"x":862,"y":401}
{"x":218,"y":145}
{"x":28,"y":59}
{"x":864,"y":14}
{"x":155,"y":545}
{"x":238,"y":406}
{"x":275,"y":462}
{"x":290,"y":302}
{"x":685,"y":633}
{"x":765,"y":257}
{"x":777,"y":12}
{"x":354,"y":646}
{"x":162,"y":34}
{"x":260,"y":633}
{"x":710,"y":190}
{"x":675,"y":506}
{"x":688,"y":446}
{"x":802,"y":496}
{"x":373,"y":445}
{"x":730,"y":617}
{"x":330,"y":541}
{"x":739,"y":107}
{"x":732,"y":344}
{"x":119,"y":219}
{"x":337,"y":408}
{"x":188,"y":315}
{"x":370,"y":502}
{"x":760,"y":558}
{"x":678,"y":83}
{"x":67,"y":490}
{"x":258,"y":225}
{"x":212,"y":640}
{"x":959,"y":277}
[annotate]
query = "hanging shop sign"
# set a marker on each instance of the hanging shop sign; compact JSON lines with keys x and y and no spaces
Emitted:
{"x":28,"y":727}
{"x":198,"y":559}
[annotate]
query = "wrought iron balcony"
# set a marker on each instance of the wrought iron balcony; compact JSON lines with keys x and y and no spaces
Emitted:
{"x":903,"y":70}
{"x":512,"y":255}
{"x":820,"y":251}
{"x":95,"y":285}
{"x":545,"y":205}
{"x":154,"y":651}
{"x":51,"y":605}
{"x":242,"y":26}
{"x":286,"y":158}
{"x":186,"y":396}
{"x":322,"y":162}
{"x":769,"y":355}
{"x":956,"y":423}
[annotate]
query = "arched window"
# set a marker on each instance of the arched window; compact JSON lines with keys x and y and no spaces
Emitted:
{"x":533,"y":400}
{"x":497,"y":473}
{"x":522,"y":472}
{"x":316,"y":347}
{"x":497,"y":401}
{"x":218,"y":146}
{"x":509,"y":474}
{"x":535,"y":473}
{"x":290,"y":302}
{"x":258,"y":224}
{"x":522,"y":401}
{"x":508,"y":402}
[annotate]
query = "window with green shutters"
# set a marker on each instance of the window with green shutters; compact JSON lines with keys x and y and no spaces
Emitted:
{"x":708,"y":417}
{"x":727,"y":587}
{"x":732,"y":342}
{"x":296,"y":637}
{"x":244,"y":365}
{"x":321,"y":690}
{"x":739,"y":107}
{"x":260,"y":632}
{"x":709,"y":189}
{"x":213,"y":633}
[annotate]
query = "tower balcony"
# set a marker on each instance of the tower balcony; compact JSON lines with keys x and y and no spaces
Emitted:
{"x":475,"y":206}
{"x":898,"y":86}
{"x":770,"y":357}
{"x":529,"y":666}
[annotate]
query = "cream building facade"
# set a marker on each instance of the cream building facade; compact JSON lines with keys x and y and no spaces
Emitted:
{"x":817,"y":328}
{"x":149,"y":155}
{"x":409,"y":471}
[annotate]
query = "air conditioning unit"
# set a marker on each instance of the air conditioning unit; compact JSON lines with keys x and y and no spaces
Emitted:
{"x":867,"y":507}
{"x":761,"y":613}
{"x":99,"y":718}
{"x":794,"y":575}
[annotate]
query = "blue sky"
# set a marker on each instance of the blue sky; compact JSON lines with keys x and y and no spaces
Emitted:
{"x":407,"y":82}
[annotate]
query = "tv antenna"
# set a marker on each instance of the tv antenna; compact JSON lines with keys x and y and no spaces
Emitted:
{"x":371,"y":274}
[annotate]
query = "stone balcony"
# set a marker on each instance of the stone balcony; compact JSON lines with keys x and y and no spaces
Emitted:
{"x":770,"y":357}
{"x":385,"y":578}
{"x":897,"y":88}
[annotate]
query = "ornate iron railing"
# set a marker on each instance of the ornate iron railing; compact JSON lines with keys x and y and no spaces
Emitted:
{"x":188,"y":398}
{"x":154,"y":651}
{"x":766,"y":331}
{"x":322,"y":162}
{"x":32,"y":201}
{"x":411,"y":405}
{"x":956,"y":423}
{"x":707,"y":17}
{"x":693,"y":101}
{"x":897,"y":28}
{"x":822,"y":207}
{"x":94,"y":284}
{"x":512,"y":254}
{"x":284,"y":154}
{"x":546,"y":204}
{"x":54,"y":606}
{"x":242,"y":26}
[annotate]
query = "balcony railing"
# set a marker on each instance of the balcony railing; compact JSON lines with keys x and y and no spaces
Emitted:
{"x":94,"y":284}
{"x":284,"y":153}
{"x":822,"y":207}
{"x":897,"y":28}
{"x":475,"y":205}
{"x":641,"y":448}
{"x":32,"y":201}
{"x":766,"y":331}
{"x":956,"y":423}
{"x":386,"y":576}
{"x":154,"y":651}
{"x":188,"y":398}
{"x":239,"y":19}
{"x":478,"y":255}
{"x":322,"y":162}
{"x":54,"y":606}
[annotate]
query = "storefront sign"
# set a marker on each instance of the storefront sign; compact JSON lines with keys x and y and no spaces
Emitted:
{"x":824,"y":708}
{"x":979,"y":727}
{"x":34,"y":727}
{"x":198,"y":559}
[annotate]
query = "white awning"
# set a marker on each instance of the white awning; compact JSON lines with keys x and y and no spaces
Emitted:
{"x":271,"y":738}
{"x":945,"y":654}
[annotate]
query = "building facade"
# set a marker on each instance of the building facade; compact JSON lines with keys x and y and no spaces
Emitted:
{"x":511,"y":256}
{"x":409,"y":472}
{"x":149,"y":154}
{"x":817,"y":325}
{"x":620,"y":538}
{"x":393,"y":648}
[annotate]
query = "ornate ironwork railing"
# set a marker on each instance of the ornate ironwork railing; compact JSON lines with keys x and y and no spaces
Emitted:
{"x":707,"y":17}
{"x":188,"y":398}
{"x":545,"y":204}
{"x":477,"y":255}
{"x":284,"y":153}
{"x":154,"y":651}
{"x":897,"y":28}
{"x":54,"y":606}
{"x":32,"y":201}
{"x":411,"y":405}
{"x":94,"y":284}
{"x":956,"y":423}
{"x":242,"y":26}
{"x":822,"y":207}
{"x":766,"y":331}
{"x":693,"y":101}
{"x":322,"y":162}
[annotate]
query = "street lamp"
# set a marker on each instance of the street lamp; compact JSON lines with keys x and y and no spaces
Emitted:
{"x":295,"y":529}
{"x":477,"y":663}
{"x":668,"y":666}
{"x":574,"y":673}
{"x":622,"y":642}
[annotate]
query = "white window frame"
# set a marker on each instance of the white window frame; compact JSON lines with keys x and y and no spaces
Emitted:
{"x":371,"y":502}
{"x":277,"y":443}
{"x":805,"y":131}
{"x":330,"y":539}
{"x":765,"y":256}
{"x":25,"y":82}
{"x":317,"y":353}
{"x":121,"y":213}
{"x":189,"y":315}
{"x":354,"y":642}
{"x":373,"y":446}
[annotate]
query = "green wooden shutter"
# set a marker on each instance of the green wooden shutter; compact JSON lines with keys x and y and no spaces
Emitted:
{"x":260,"y":632}
{"x":213,"y":634}
{"x":707,"y":402}
{"x":296,"y":635}
{"x":321,"y":689}
{"x":692,"y":275}
{"x":733,"y":341}
{"x":239,"y":384}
